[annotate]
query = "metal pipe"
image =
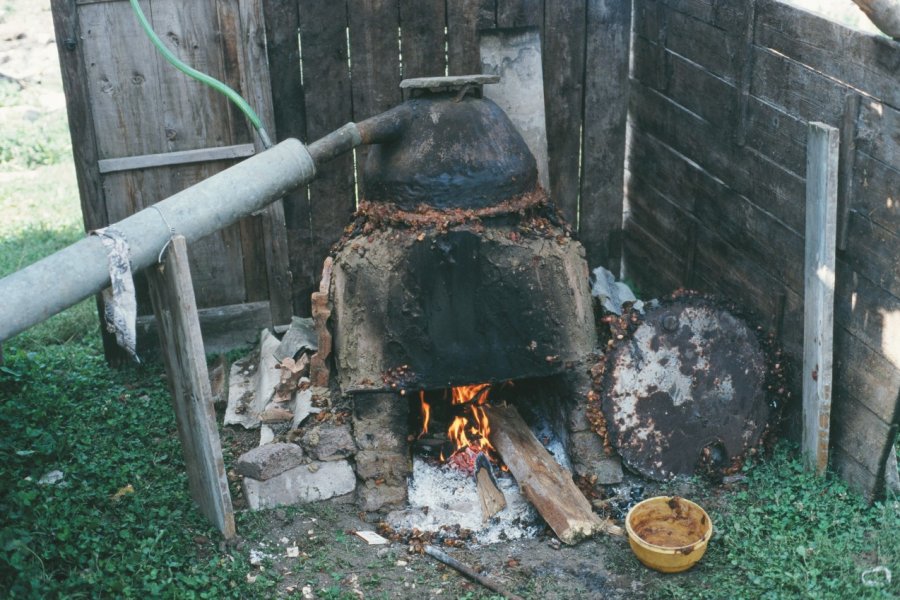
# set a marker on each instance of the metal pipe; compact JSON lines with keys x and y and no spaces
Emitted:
{"x":67,"y":277}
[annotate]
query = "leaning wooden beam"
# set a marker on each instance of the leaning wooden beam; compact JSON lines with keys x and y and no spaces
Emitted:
{"x":818,"y":329}
{"x":175,"y":307}
{"x":545,"y":484}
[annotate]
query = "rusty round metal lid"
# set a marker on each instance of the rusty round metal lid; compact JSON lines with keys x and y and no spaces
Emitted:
{"x":687,"y":391}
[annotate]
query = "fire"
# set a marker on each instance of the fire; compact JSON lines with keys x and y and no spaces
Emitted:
{"x":426,"y":413}
{"x":464,"y":394}
{"x":469,"y":431}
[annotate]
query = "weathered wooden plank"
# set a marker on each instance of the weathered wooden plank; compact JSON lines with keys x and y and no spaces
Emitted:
{"x":867,"y":62}
{"x":878,"y":132}
{"x":646,"y":13}
{"x":705,"y":44}
{"x":810,"y":95}
{"x":847,"y":161}
{"x":861,"y":436}
{"x":326,"y":76}
{"x":818,"y":328}
{"x":733,"y":275}
{"x":130,"y":163}
{"x":85,"y":150}
{"x":875,"y":192}
{"x":123,"y":83}
{"x":872,"y":252}
{"x":754,"y":232}
{"x":464,"y":19}
{"x":660,"y":215}
{"x":771,"y":187}
{"x":375,"y":65}
{"x":216,"y":260}
{"x":653,"y":267}
{"x":253,"y":254}
{"x":231,"y":42}
{"x":176,"y":313}
{"x":606,"y":92}
{"x":422,"y":39}
{"x":865,"y":373}
{"x":563,"y":45}
{"x":375,"y":55}
{"x":190,"y":114}
{"x":520,"y":13}
{"x":67,"y":25}
{"x":856,"y":475}
{"x":283,"y":47}
{"x":775,"y":134}
{"x":289,"y":113}
{"x":257,"y":88}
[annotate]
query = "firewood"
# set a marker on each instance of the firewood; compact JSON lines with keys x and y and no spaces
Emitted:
{"x":545,"y":484}
{"x":492,"y":499}
{"x":469,"y":572}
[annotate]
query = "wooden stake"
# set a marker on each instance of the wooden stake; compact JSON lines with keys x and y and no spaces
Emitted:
{"x":818,"y":329}
{"x":491,"y":498}
{"x":542,"y":480}
{"x":175,"y":307}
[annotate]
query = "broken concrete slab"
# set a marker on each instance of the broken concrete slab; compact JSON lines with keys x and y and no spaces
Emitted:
{"x":303,"y":407}
{"x":306,"y":483}
{"x":252,"y":382}
{"x":267,"y":461}
{"x":301,"y":336}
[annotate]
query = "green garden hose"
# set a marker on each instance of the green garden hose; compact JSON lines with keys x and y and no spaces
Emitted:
{"x":203,"y":77}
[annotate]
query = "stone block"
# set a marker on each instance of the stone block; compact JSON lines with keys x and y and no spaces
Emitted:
{"x":269,"y":460}
{"x":589,"y":458}
{"x":391,"y":467}
{"x":372,"y":497}
{"x":306,"y":483}
{"x":380,"y":422}
{"x":328,"y":441}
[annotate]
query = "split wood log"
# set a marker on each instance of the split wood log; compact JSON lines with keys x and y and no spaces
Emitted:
{"x":491,"y":498}
{"x":547,"y":485}
{"x":469,"y":572}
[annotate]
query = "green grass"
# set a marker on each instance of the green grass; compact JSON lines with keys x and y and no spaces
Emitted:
{"x":63,"y":409}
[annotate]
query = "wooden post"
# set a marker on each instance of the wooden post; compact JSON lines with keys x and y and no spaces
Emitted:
{"x":175,"y":307}
{"x":818,"y":330}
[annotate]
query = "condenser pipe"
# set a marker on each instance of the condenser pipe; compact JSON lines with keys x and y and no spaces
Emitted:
{"x":63,"y":279}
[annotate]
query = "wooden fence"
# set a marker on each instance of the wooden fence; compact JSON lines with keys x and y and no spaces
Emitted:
{"x":720,"y":95}
{"x":722,"y":92}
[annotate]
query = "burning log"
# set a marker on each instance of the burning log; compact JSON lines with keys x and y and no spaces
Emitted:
{"x":491,"y":498}
{"x":547,"y":485}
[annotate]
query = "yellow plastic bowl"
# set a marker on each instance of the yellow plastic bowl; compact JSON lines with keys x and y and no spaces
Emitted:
{"x":668,"y":533}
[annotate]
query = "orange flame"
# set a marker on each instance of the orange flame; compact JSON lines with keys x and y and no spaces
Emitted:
{"x":467,"y":393}
{"x":426,"y":413}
